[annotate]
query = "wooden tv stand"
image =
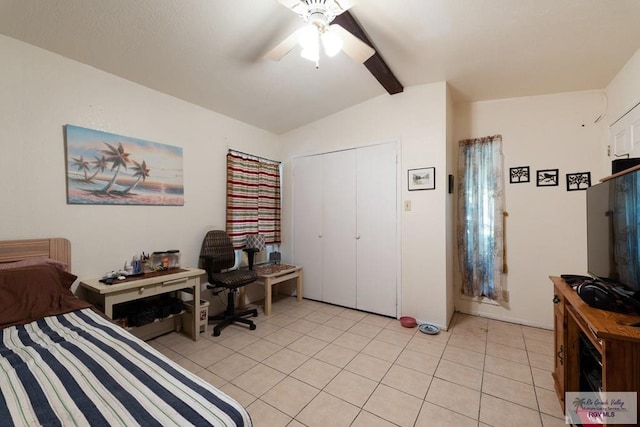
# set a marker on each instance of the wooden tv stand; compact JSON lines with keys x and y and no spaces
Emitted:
{"x":610,"y":333}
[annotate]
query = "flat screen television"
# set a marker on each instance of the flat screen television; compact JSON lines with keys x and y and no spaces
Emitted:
{"x":613,"y":231}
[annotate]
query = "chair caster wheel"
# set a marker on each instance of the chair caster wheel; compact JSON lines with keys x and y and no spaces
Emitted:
{"x":252,"y":327}
{"x":216,"y":333}
{"x":255,"y":314}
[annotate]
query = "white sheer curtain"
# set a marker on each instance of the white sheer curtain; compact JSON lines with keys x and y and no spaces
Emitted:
{"x":480,"y":217}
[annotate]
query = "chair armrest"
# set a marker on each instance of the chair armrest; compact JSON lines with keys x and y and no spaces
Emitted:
{"x":208,"y":263}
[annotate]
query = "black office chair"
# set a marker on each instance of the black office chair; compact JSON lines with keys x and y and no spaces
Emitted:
{"x":217,"y":256}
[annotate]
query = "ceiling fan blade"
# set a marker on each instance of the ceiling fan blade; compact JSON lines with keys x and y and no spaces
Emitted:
{"x":297,"y":6}
{"x":285,"y":46}
{"x":345,"y":4}
{"x":376,"y":64}
{"x":335,"y":7}
{"x":353,"y":46}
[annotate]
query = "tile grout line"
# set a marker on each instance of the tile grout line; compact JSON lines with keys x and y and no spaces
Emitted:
{"x":334,"y":313}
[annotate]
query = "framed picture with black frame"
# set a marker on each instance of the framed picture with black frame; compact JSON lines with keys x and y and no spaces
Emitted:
{"x":547,"y":177}
{"x":519,"y":175}
{"x":578,"y":181}
{"x":422,"y":179}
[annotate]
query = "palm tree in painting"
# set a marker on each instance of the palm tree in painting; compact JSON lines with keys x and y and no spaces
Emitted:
{"x":82,"y":165}
{"x":140,"y":171}
{"x":118,"y":158}
{"x":99,"y":165}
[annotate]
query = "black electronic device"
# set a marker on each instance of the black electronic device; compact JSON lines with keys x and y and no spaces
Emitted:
{"x":576,"y":279}
{"x":628,"y":301}
{"x":597,"y":296}
{"x":619,"y":165}
{"x":608,"y":297}
{"x":613,"y":231}
{"x":575,"y":276}
{"x":590,"y":362}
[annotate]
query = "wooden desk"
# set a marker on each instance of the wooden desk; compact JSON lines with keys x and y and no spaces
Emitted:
{"x":106,"y":296}
{"x":273,"y":274}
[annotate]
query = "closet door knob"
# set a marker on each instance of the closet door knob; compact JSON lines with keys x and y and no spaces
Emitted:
{"x":357,"y":237}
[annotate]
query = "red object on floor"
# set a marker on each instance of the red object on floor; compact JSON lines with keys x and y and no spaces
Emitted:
{"x":408,"y":322}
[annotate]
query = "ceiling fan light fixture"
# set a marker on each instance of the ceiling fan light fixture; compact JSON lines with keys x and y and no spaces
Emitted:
{"x":331,"y":42}
{"x":308,"y":37}
{"x":312,"y":55}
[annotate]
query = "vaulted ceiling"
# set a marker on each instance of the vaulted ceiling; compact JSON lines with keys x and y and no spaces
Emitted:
{"x":209,"y":52}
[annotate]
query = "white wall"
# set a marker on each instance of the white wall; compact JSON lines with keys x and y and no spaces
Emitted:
{"x":623,"y":92}
{"x":546,"y":226}
{"x":417,"y":119}
{"x":40,"y":92}
{"x":451,"y":205}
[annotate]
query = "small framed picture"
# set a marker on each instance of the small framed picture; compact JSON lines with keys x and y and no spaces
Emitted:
{"x":547,"y":178}
{"x":422,"y":179}
{"x":578,"y":181}
{"x":519,"y":174}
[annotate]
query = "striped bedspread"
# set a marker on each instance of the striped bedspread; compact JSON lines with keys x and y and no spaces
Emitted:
{"x":77,"y":369}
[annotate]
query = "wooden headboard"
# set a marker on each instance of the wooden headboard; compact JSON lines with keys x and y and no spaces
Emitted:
{"x":57,"y":248}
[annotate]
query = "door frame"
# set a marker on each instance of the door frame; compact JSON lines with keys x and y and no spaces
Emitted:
{"x":398,"y":149}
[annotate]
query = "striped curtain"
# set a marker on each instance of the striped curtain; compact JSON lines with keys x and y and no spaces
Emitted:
{"x":253,"y":199}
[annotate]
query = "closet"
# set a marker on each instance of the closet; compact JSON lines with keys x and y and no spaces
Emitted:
{"x":345,"y":228}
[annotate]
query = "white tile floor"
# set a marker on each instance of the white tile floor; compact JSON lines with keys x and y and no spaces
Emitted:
{"x":314,"y":364}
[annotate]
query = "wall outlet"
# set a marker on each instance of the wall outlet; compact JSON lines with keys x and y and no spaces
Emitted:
{"x":407,"y":205}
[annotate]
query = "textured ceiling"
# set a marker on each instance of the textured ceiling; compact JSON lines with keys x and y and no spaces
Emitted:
{"x":209,"y":52}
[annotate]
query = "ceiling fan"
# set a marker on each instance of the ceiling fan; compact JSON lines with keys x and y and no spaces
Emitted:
{"x":318,"y":14}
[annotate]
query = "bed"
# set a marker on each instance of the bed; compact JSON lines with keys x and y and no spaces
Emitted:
{"x":63,"y":363}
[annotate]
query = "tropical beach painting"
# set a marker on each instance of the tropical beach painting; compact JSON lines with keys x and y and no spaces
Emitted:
{"x":109,"y":169}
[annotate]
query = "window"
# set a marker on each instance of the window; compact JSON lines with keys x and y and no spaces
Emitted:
{"x":481,"y":217}
{"x":253,"y":198}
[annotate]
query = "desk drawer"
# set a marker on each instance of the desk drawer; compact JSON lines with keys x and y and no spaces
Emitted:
{"x":162,"y":287}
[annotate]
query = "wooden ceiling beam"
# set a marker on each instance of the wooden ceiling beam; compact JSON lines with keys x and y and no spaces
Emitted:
{"x":375,"y":64}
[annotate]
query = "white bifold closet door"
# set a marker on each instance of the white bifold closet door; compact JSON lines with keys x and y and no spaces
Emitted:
{"x":339,"y":228}
{"x":345,"y":227}
{"x":376,"y":234}
{"x":307,"y":223}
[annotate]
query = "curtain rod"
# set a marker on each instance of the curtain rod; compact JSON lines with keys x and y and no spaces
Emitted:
{"x":253,"y":156}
